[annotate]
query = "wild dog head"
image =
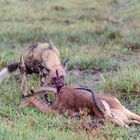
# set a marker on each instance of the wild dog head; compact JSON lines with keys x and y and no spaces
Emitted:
{"x":56,"y":75}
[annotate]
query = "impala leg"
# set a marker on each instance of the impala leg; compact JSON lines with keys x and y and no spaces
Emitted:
{"x":25,"y":103}
{"x":134,"y":122}
{"x":39,"y":90}
{"x":45,"y":109}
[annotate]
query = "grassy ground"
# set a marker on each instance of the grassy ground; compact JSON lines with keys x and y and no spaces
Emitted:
{"x":101,"y":39}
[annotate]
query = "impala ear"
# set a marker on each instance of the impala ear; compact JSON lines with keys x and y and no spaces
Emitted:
{"x":64,"y":63}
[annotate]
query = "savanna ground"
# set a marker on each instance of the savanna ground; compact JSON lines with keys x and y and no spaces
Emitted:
{"x":102,"y":40}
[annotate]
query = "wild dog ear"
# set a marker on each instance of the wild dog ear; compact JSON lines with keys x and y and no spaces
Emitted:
{"x":64,"y":63}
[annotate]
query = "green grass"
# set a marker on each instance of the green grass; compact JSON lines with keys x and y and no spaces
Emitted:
{"x":125,"y":84}
{"x":94,"y":35}
{"x":126,"y":80}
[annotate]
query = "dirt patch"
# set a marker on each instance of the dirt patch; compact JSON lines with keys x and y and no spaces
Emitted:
{"x":85,"y":78}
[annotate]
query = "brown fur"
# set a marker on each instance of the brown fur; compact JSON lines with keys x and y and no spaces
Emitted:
{"x":71,"y":99}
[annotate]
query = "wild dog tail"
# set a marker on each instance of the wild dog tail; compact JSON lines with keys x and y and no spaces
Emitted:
{"x":8,"y":70}
{"x":95,"y":100}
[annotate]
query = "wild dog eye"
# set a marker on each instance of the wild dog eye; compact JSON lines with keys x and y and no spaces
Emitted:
{"x":61,"y":77}
{"x":54,"y":79}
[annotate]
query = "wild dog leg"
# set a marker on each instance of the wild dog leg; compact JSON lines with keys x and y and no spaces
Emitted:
{"x":42,"y":83}
{"x":42,"y":78}
{"x":24,"y":83}
{"x":38,"y":103}
{"x":23,"y":72}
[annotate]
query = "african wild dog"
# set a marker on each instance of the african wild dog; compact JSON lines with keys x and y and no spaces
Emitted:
{"x":43,"y":59}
